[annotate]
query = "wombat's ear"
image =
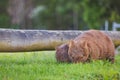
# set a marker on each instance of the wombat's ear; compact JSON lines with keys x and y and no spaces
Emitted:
{"x":85,"y":44}
{"x":86,"y":47}
{"x":71,"y":43}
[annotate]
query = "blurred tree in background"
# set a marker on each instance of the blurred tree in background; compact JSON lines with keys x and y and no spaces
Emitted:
{"x":19,"y":12}
{"x":4,"y":17}
{"x":58,"y":14}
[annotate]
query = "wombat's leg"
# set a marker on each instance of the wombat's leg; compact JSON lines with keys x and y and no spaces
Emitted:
{"x":111,"y":59}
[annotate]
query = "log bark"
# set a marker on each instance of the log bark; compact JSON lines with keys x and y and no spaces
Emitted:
{"x":35,"y":40}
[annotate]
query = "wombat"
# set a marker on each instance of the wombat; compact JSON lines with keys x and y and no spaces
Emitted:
{"x":91,"y":45}
{"x":62,"y":53}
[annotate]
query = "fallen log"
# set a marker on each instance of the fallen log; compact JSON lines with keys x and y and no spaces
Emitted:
{"x":12,"y":40}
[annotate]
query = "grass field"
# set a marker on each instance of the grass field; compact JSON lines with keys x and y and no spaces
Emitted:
{"x":43,"y":66}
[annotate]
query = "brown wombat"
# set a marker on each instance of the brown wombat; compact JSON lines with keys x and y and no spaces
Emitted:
{"x":62,"y":53}
{"x":91,"y":45}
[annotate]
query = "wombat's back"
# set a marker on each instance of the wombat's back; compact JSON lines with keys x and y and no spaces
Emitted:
{"x":103,"y":43}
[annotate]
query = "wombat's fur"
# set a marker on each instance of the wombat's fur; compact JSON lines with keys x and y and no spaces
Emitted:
{"x":62,"y":53}
{"x":91,"y":45}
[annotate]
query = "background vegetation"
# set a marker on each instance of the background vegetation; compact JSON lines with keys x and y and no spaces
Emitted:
{"x":58,"y":14}
{"x":43,"y":66}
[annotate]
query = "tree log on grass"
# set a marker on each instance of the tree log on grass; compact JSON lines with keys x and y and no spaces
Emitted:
{"x":36,"y":40}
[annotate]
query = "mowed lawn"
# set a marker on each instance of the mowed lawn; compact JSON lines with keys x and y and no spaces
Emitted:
{"x":43,"y":66}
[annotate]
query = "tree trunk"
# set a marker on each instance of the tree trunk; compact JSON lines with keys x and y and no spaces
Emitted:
{"x":19,"y":11}
{"x":36,"y":40}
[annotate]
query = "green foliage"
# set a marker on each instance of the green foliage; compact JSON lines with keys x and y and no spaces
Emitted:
{"x":91,"y":13}
{"x":4,"y":21}
{"x":4,"y":18}
{"x":43,"y":66}
{"x":60,"y":14}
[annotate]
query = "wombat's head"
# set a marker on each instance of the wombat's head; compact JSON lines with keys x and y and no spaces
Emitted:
{"x":62,"y":53}
{"x":78,"y":51}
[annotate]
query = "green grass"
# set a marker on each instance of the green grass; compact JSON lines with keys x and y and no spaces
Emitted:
{"x":43,"y":66}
